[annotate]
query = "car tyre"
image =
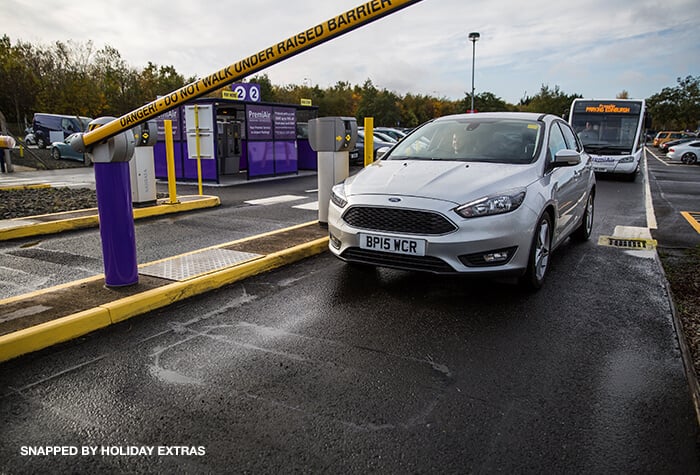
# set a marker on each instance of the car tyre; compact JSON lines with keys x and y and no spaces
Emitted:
{"x":55,"y":154}
{"x":41,"y":143}
{"x":540,"y":250}
{"x":689,"y":158}
{"x":584,"y":230}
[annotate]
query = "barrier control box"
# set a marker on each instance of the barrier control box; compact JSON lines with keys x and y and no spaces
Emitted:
{"x":333,"y":134}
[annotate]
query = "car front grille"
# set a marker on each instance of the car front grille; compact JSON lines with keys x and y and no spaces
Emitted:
{"x":398,"y":220}
{"x":398,"y":261}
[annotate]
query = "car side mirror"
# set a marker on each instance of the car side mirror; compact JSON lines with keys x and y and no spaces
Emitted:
{"x":567,"y":158}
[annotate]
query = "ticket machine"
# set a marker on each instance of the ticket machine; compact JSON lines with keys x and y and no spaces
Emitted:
{"x":332,"y":138}
{"x":142,"y":167}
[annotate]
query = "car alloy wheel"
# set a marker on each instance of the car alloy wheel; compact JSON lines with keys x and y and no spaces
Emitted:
{"x":583,"y":232}
{"x":689,"y":158}
{"x":539,"y":254}
{"x":56,"y":154}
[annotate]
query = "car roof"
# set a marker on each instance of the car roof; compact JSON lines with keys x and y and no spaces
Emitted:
{"x":501,"y":115}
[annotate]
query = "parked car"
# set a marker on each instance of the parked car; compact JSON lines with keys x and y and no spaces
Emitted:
{"x":29,"y":138}
{"x":357,"y":156}
{"x":666,"y":136}
{"x":473,"y":194}
{"x":379,"y":135}
{"x":666,"y":145}
{"x":63,"y":150}
{"x":687,"y":152}
{"x":391,"y":132}
{"x":48,"y":128}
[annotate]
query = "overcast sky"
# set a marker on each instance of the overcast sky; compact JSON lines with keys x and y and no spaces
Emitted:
{"x":596,"y":48}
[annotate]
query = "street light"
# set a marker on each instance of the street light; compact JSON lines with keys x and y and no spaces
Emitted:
{"x":473,"y":37}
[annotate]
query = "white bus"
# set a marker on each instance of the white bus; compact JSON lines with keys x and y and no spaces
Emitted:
{"x":612,"y":132}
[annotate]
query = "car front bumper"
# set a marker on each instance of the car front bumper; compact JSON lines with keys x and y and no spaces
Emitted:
{"x":454,"y":252}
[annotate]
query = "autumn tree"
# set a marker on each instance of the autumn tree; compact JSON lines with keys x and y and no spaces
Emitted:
{"x":548,"y":101}
{"x":677,"y":108}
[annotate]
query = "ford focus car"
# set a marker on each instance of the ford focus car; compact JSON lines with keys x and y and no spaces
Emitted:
{"x":474,"y":193}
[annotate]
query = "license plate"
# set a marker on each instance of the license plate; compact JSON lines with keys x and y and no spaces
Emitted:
{"x":374,"y":242}
{"x":600,"y":169}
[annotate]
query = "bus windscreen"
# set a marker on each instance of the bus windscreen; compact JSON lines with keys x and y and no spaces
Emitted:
{"x":607,"y":125}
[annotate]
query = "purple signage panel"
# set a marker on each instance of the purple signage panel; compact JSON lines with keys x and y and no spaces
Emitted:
{"x":285,"y":120}
{"x":174,"y":116}
{"x":259,"y":122}
{"x":261,"y":159}
{"x":286,"y":157}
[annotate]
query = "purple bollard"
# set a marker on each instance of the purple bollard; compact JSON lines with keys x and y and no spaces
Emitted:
{"x":113,"y":186}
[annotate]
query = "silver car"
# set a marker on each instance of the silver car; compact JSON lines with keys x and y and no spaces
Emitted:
{"x":474,"y":193}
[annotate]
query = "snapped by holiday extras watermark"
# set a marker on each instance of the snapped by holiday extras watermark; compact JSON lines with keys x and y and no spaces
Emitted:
{"x":112,"y":450}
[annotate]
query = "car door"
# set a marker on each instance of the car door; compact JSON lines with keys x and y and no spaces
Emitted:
{"x":564,"y":185}
{"x":582,"y":171}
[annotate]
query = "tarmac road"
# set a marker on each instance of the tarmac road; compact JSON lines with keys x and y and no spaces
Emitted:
{"x":316,"y":367}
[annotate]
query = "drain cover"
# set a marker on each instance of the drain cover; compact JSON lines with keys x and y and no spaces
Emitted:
{"x":191,"y":265}
{"x":627,"y":243}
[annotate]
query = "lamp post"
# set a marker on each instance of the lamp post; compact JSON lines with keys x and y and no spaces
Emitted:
{"x":473,"y":37}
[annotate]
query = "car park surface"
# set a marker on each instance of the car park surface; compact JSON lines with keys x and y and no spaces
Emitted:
{"x":322,"y":367}
{"x":487,"y":193}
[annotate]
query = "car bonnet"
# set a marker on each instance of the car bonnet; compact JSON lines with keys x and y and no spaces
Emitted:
{"x":445,"y":180}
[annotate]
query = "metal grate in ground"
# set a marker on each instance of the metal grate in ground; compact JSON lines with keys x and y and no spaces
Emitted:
{"x":628,"y":243}
{"x":186,"y":267}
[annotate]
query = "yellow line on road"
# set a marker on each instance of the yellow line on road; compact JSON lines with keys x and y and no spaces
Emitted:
{"x":693,"y":218}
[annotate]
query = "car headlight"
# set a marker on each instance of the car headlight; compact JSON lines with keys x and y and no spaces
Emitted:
{"x":338,"y":195}
{"x":492,"y":204}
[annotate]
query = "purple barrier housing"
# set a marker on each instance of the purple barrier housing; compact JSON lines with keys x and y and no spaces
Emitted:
{"x":114,"y":207}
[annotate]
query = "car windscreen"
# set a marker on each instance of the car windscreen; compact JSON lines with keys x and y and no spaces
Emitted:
{"x":472,"y":139}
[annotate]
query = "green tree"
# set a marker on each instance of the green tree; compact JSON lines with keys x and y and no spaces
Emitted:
{"x":339,"y":100}
{"x":485,"y":102}
{"x":18,"y":81}
{"x":267,"y":90}
{"x":677,"y":107}
{"x":548,"y":101}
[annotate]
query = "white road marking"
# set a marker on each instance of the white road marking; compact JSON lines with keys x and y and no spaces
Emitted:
{"x":313,"y":206}
{"x":275,"y":200}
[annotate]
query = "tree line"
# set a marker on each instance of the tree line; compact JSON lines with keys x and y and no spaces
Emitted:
{"x":77,"y":79}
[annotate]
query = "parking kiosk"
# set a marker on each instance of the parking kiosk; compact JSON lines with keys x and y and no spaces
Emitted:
{"x":142,"y":167}
{"x":332,"y":138}
{"x":250,"y":140}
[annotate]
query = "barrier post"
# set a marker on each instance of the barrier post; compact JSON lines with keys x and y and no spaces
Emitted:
{"x":170,"y":159}
{"x":199,"y":158}
{"x":114,"y":206}
{"x":369,"y":140}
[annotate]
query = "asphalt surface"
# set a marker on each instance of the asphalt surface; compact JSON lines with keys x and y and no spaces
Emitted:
{"x":318,"y":367}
